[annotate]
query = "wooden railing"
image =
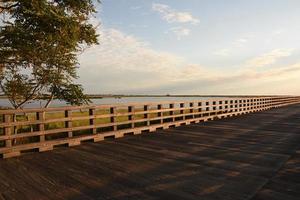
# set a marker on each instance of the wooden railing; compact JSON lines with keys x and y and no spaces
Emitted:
{"x":43,"y":129}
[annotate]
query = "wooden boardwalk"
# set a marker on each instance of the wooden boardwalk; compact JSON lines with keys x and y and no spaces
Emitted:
{"x":255,"y":156}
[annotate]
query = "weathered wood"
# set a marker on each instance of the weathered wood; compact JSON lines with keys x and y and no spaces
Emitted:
{"x":178,"y":112}
{"x":92,"y":120}
{"x":181,"y":105}
{"x":8,"y":130}
{"x":146,"y":115}
{"x":251,"y":157}
{"x":11,"y":154}
{"x":131,"y":116}
{"x":160,"y":114}
{"x":45,"y":148}
{"x":68,"y":123}
{"x":40,"y":116}
{"x":171,"y":113}
{"x":113,"y":115}
{"x":113,"y":118}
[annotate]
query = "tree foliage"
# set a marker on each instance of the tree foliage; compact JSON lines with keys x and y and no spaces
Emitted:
{"x":39,"y":44}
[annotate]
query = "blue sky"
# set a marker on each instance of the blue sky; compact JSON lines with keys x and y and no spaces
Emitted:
{"x":195,"y":47}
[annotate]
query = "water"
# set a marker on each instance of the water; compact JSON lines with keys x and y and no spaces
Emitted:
{"x":57,"y":103}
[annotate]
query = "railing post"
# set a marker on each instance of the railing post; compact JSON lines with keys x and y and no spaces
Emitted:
{"x":8,"y":130}
{"x":235,"y":106}
{"x":131,"y":116}
{"x":146,"y":115}
{"x":40,"y":116}
{"x":219,"y":108}
{"x":160,"y":114}
{"x":171,"y":106}
{"x":92,"y":120}
{"x":68,"y":123}
{"x":248,"y":105}
{"x":207,"y":110}
{"x":199,"y":109}
{"x":192,"y":109}
{"x":113,"y":118}
{"x":182,"y":110}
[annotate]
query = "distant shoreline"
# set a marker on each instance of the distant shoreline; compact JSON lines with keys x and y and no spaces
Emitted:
{"x":101,"y":96}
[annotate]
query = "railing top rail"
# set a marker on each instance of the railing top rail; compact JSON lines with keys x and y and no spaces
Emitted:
{"x":43,"y":130}
{"x":103,"y":106}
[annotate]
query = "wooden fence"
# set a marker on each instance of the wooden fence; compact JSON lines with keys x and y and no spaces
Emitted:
{"x":44,"y":129}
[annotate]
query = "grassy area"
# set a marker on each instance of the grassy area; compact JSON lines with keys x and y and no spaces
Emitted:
{"x":78,"y":123}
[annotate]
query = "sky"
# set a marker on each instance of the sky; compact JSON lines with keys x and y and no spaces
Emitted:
{"x":229,"y":47}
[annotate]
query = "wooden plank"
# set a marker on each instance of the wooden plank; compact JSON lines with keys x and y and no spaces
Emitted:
{"x":247,"y":107}
{"x":111,"y":115}
{"x":8,"y":131}
{"x":146,"y":115}
{"x":40,"y":116}
{"x":92,"y":120}
{"x":167,"y":166}
{"x":68,"y":123}
{"x":113,"y":119}
{"x":131,"y":116}
{"x":280,"y":99}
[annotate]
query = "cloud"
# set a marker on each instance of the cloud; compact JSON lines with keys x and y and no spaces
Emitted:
{"x":121,"y":51}
{"x":280,"y":72}
{"x":205,"y":81}
{"x":222,"y":52}
{"x":278,"y":32}
{"x":138,"y":26}
{"x":275,"y":35}
{"x":233,"y":46}
{"x":241,"y":42}
{"x":269,"y":58}
{"x":180,"y":32}
{"x":245,"y":38}
{"x":123,"y":63}
{"x":170,"y":15}
{"x":135,"y":7}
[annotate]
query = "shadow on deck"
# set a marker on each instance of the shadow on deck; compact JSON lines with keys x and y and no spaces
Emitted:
{"x":255,"y":156}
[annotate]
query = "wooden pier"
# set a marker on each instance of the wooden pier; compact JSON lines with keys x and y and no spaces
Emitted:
{"x":25,"y":130}
{"x":244,"y":157}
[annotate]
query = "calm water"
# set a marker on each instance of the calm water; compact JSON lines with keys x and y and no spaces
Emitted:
{"x":56,"y":103}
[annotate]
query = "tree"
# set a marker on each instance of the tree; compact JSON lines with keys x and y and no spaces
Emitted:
{"x":39,"y":44}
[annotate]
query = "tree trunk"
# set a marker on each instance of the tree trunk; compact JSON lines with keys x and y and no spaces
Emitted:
{"x":49,"y":101}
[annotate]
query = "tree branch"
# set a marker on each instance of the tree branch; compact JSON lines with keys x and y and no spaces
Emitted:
{"x":4,"y":8}
{"x":30,"y":96}
{"x":49,"y":101}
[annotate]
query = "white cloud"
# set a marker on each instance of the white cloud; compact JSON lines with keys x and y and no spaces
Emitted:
{"x":222,"y":52}
{"x":170,"y":15}
{"x":241,"y":42}
{"x":269,"y":58}
{"x":278,"y":32}
{"x":234,"y":45}
{"x":122,"y":51}
{"x":135,"y":7}
{"x":281,"y":72}
{"x":124,"y":63}
{"x":275,"y":35}
{"x":202,"y":80}
{"x":138,"y":26}
{"x":180,"y":32}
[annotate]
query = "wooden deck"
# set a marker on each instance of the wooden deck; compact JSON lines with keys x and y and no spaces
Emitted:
{"x":255,"y":156}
